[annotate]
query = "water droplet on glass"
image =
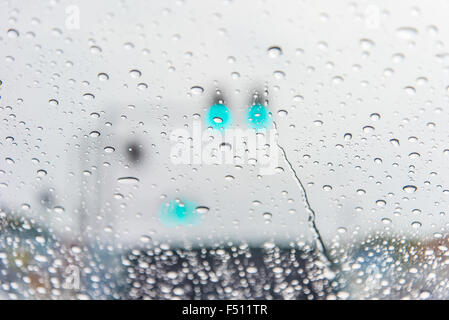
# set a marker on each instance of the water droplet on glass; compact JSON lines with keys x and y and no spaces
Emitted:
{"x":197,"y":90}
{"x":202,"y":209}
{"x":274,"y":52}
{"x":410,"y":188}
{"x":381,"y":203}
{"x":406,"y":33}
{"x":103,"y":76}
{"x":128,"y":180}
{"x":279,"y":75}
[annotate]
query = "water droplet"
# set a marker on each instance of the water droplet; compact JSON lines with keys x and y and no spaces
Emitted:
{"x":432,"y":30}
{"x":103,"y":76}
{"x":76,"y":249}
{"x":219,"y":117}
{"x":274,"y":52}
{"x":202,"y":209}
{"x":414,"y":155}
{"x":13,"y":33}
{"x":197,"y":90}
{"x":337,"y":79}
{"x":282,"y":113}
{"x":9,"y":161}
{"x":128,"y":180}
{"x":366,"y":44}
{"x":95,"y":50}
{"x":381,"y":203}
{"x":59,"y":209}
{"x":258,"y":117}
{"x":410,"y":90}
{"x":368,"y":129}
{"x":179,"y":212}
{"x":128,"y":46}
{"x":279,"y":75}
{"x":135,"y":73}
{"x":251,"y":270}
{"x":342,"y":230}
{"x":416,"y":224}
{"x":88,"y":96}
{"x":398,"y":57}
{"x":142,"y":86}
{"x":406,"y":33}
{"x":395,"y":142}
{"x":267,"y":216}
{"x":145,"y":239}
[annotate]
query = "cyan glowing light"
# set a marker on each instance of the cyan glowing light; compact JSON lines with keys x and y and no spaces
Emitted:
{"x":179,"y":212}
{"x":219,"y":117}
{"x":258,"y":117}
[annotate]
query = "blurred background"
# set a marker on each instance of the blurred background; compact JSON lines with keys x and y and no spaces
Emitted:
{"x":98,"y":100}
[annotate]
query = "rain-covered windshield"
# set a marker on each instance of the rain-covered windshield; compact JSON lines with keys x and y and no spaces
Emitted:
{"x":223,"y":149}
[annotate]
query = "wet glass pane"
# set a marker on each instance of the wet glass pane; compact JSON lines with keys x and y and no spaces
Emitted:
{"x":223,"y":149}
